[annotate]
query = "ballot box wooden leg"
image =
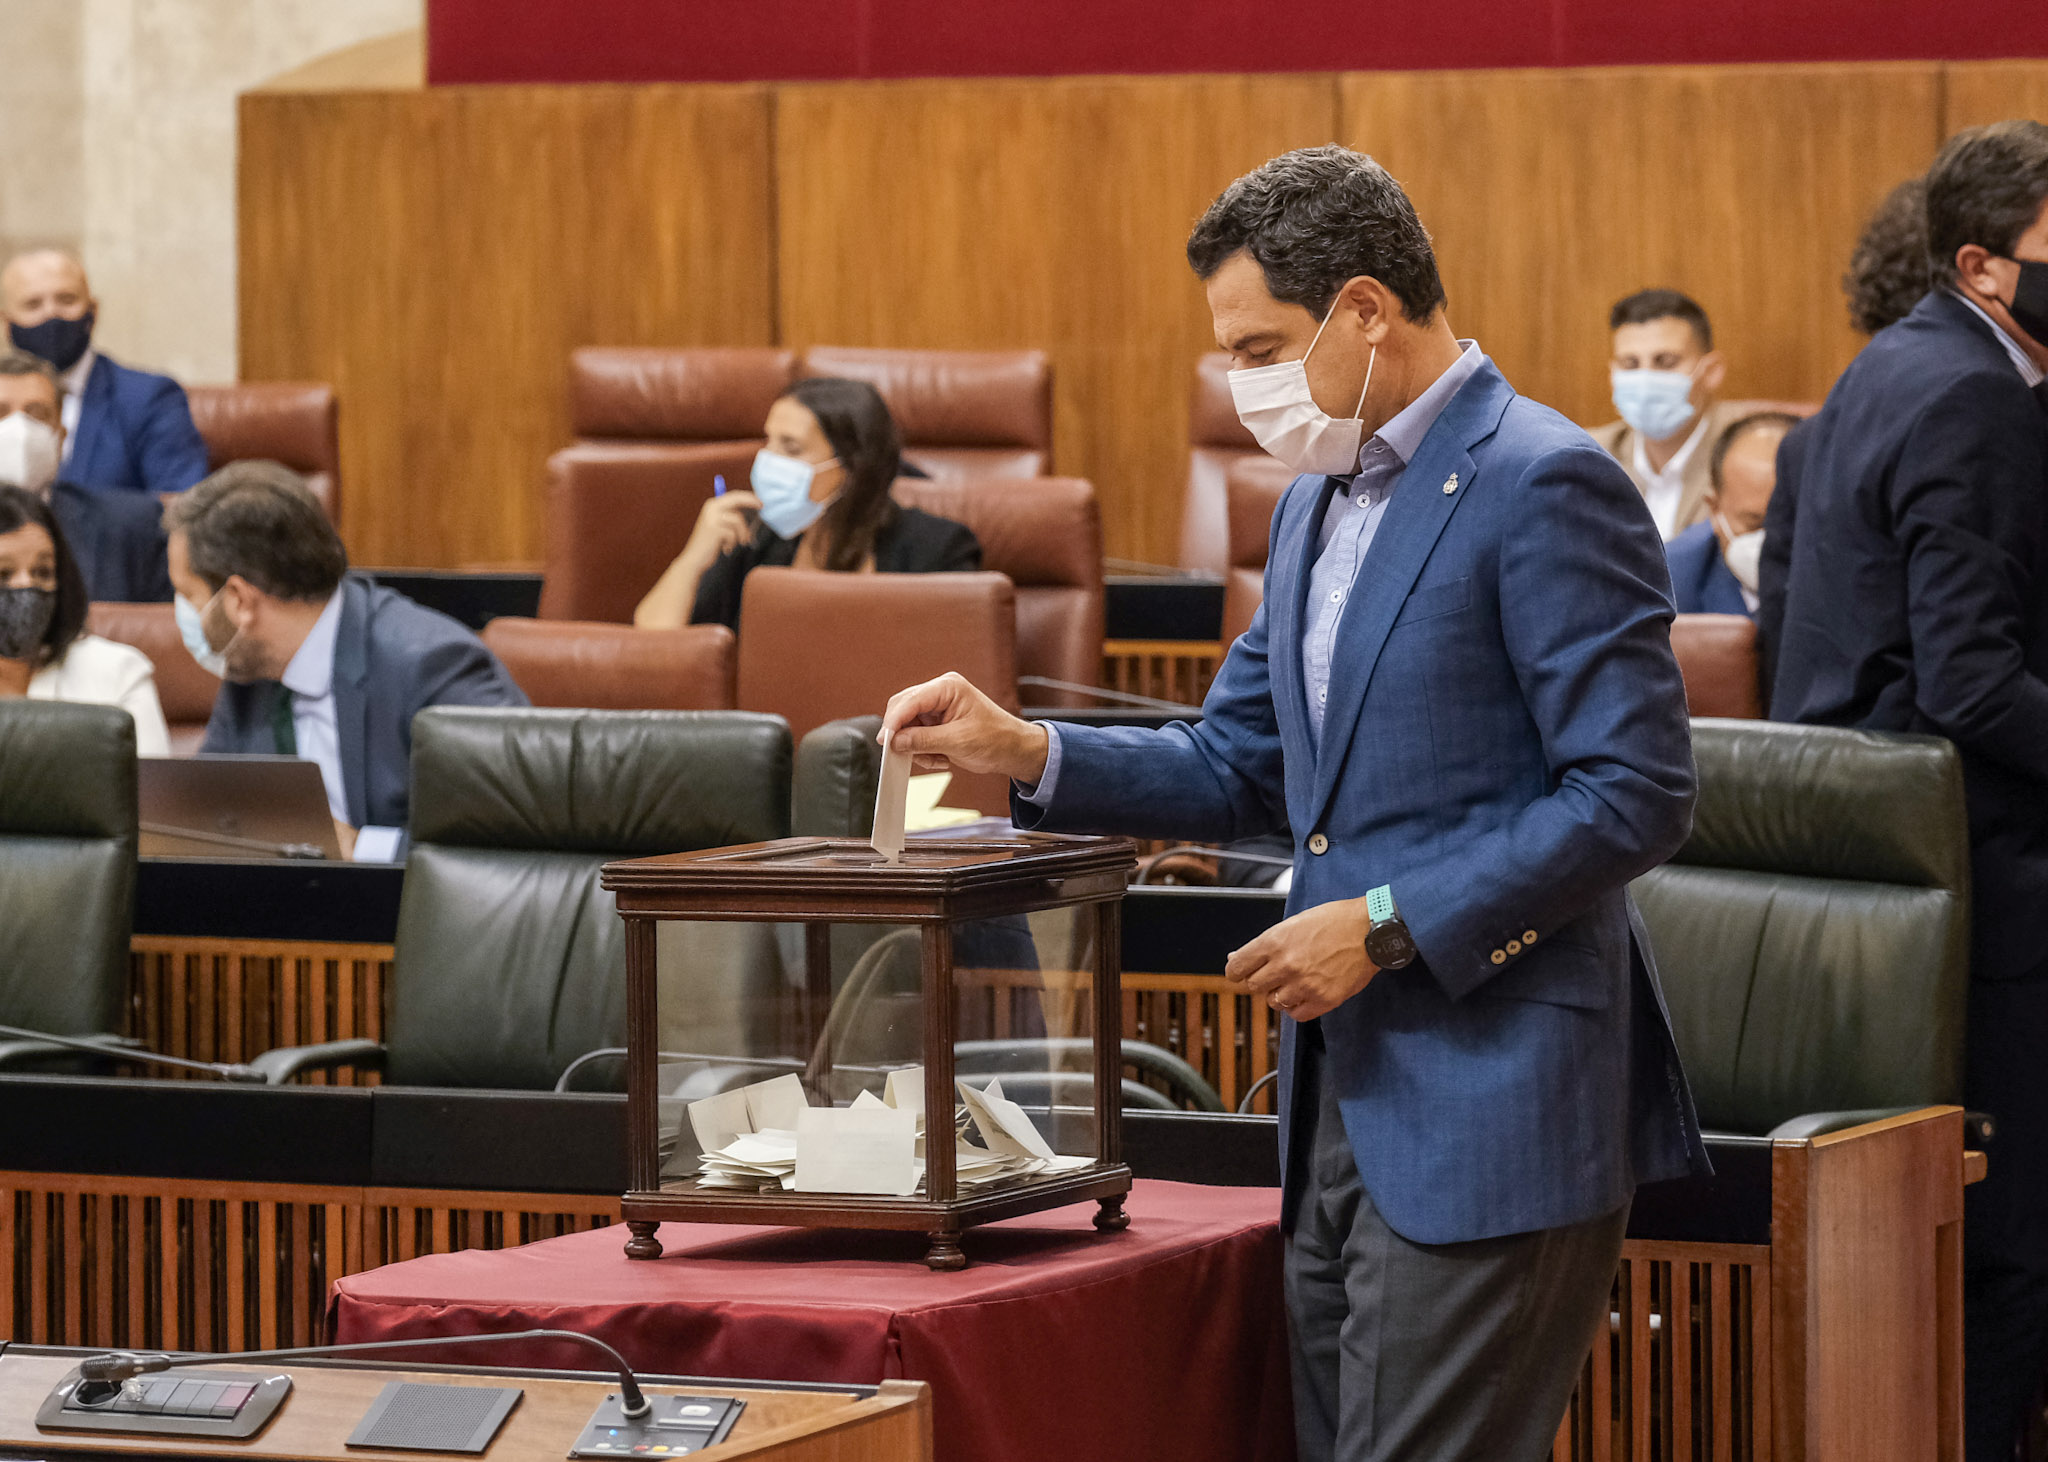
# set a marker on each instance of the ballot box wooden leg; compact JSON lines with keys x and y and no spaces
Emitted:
{"x":944,"y":1252}
{"x":1110,"y":1216}
{"x":643,"y":1244}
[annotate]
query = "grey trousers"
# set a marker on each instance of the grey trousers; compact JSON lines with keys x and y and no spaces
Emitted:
{"x":1410,"y":1352}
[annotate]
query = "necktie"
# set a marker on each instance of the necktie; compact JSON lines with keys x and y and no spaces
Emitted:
{"x":281,"y":729}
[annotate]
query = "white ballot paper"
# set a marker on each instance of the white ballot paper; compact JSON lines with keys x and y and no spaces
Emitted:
{"x":892,"y":793}
{"x":864,"y":1148}
{"x":924,"y":814}
{"x":904,"y":1090}
{"x":775,"y":1103}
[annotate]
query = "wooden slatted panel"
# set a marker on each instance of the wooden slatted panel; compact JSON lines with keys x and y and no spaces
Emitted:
{"x":1167,"y":670}
{"x":1682,"y":1374}
{"x":231,"y":999}
{"x":411,"y":1222}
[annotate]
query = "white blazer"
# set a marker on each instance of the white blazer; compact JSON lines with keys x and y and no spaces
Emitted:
{"x":107,"y":673}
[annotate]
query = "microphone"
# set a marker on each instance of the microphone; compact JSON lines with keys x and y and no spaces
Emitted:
{"x":103,"y":1375}
{"x":226,"y":1071}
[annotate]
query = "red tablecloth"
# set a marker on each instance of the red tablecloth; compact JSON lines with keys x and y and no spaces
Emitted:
{"x":1165,"y":1341}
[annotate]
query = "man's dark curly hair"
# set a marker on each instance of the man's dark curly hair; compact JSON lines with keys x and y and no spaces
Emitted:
{"x":1888,"y":271}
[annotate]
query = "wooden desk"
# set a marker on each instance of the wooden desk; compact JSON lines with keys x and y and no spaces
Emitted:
{"x":886,"y":1423}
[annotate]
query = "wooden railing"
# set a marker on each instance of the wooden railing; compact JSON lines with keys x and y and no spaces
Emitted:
{"x":1167,"y":670}
{"x":230,"y":999}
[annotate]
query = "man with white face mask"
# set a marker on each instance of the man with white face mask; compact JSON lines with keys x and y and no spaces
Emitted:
{"x":1714,"y":564}
{"x":116,"y":538}
{"x":1664,"y":376}
{"x":1459,"y":695}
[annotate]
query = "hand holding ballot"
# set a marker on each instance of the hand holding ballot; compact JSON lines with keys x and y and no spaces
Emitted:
{"x":949,"y":725}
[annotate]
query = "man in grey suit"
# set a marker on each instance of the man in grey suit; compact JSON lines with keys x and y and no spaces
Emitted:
{"x":319,"y":663}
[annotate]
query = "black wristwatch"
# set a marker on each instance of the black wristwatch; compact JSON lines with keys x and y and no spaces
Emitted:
{"x":1387,"y":943}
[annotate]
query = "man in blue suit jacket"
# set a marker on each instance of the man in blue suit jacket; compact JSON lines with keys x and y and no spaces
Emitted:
{"x":318,"y":663}
{"x":127,"y":429}
{"x":1714,"y":563}
{"x":1460,"y":695}
{"x":1916,"y":599}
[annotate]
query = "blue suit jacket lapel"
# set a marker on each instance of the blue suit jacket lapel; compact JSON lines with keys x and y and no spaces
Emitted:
{"x":1414,"y":520}
{"x":351,"y":702}
{"x":96,"y":457}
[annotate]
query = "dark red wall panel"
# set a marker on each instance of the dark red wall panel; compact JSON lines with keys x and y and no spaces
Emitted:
{"x":793,"y":40}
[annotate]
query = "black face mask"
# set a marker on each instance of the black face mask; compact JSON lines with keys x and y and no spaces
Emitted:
{"x":25,"y":616}
{"x":2029,"y":307}
{"x":63,"y":343}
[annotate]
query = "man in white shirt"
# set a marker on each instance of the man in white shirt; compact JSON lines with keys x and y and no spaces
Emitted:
{"x":1665,"y":376}
{"x":318,"y":663}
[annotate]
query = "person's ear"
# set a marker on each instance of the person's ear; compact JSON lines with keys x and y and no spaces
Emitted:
{"x":239,"y":599}
{"x":1713,"y":370}
{"x":1973,"y":267}
{"x":1371,"y":301}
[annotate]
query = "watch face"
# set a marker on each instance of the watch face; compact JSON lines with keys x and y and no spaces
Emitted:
{"x":1389,"y":946}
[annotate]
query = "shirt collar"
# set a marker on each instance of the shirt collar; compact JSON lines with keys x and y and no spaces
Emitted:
{"x":2029,"y":372}
{"x":311,"y":672}
{"x":75,"y":378}
{"x":1403,"y":435}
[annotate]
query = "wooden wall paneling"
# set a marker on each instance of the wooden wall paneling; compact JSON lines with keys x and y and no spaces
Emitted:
{"x":436,"y":255}
{"x":1551,"y":194}
{"x":1976,"y":92}
{"x":1050,"y":213}
{"x":232,"y":999}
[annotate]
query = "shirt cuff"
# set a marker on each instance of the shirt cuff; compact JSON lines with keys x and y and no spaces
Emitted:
{"x":378,"y":844}
{"x":1040,"y":796}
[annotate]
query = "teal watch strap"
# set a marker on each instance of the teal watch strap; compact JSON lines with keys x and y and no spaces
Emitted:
{"x":1379,"y":904}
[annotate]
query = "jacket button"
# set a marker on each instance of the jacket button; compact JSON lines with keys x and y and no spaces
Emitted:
{"x":1528,"y":936}
{"x":1514,"y":946}
{"x":1318,"y":844}
{"x":1500,"y":956}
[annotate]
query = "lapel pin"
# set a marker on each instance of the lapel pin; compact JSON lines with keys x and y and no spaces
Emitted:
{"x":1450,"y":484}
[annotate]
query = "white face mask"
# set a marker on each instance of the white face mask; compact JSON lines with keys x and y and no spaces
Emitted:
{"x":783,"y":484}
{"x":29,"y":452}
{"x":1743,"y":552}
{"x":1277,"y":407}
{"x":192,"y":630}
{"x":1655,"y":403}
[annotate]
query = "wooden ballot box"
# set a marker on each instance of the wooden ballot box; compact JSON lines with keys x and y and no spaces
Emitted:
{"x":328,"y":1407}
{"x":773,"y":985}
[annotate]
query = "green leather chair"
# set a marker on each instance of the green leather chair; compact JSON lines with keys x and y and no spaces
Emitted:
{"x":67,"y":870}
{"x":510,"y":959}
{"x":838,"y":766}
{"x":1813,"y":934}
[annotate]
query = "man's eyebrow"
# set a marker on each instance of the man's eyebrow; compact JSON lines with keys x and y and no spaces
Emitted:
{"x":1245,"y":342}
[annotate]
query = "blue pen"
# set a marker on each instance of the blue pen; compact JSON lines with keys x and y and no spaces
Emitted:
{"x":718,"y":485}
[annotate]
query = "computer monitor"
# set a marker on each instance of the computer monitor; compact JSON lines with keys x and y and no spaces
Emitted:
{"x":234,"y":807}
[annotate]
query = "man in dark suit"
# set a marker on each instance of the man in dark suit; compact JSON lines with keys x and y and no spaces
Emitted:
{"x":1460,"y":695}
{"x":318,"y":663}
{"x":1714,"y":562}
{"x":1916,"y":599}
{"x":117,"y":539}
{"x":126,"y":429}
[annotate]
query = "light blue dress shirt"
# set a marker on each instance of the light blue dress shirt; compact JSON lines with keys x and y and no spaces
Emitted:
{"x":1349,"y":524}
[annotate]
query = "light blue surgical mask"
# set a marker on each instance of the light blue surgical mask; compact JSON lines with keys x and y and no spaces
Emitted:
{"x":783,"y":484}
{"x":192,"y":630}
{"x":1655,"y":403}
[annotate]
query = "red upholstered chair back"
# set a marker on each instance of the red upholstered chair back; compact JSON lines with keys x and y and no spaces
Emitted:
{"x":1252,"y":492}
{"x":1717,"y":655}
{"x":1217,"y":441}
{"x":818,"y":647}
{"x":614,"y":667}
{"x":619,"y":512}
{"x":293,"y":422}
{"x":961,"y":412}
{"x":186,"y":691}
{"x":661,"y":394}
{"x":1045,"y":535}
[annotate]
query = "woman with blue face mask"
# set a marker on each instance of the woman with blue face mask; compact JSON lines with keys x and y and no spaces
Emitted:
{"x":819,"y":500}
{"x":45,"y":653}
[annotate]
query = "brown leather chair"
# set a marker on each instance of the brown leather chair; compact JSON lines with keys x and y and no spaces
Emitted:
{"x":1717,"y":656}
{"x":961,"y":412}
{"x":1217,"y":440}
{"x":1046,"y":537}
{"x":619,"y":512}
{"x":293,"y":422}
{"x":186,"y":691}
{"x":818,"y":647}
{"x":614,"y":667}
{"x":1252,"y":491}
{"x":647,"y":394}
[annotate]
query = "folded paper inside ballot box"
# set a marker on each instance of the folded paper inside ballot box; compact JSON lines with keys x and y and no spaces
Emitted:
{"x":768,"y":1136}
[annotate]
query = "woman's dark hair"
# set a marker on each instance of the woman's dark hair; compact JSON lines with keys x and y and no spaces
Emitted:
{"x":1888,"y":271}
{"x":863,"y":436}
{"x":18,"y":509}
